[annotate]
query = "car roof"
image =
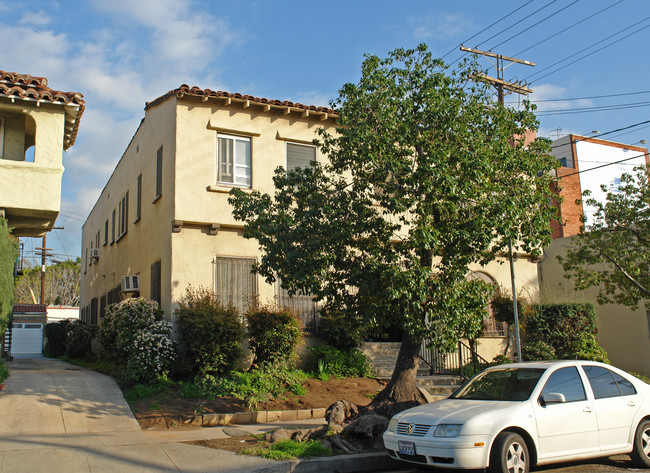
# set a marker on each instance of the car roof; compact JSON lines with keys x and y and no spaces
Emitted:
{"x":549,"y":364}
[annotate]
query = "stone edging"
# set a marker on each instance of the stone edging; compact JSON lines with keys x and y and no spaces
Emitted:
{"x":256,"y":417}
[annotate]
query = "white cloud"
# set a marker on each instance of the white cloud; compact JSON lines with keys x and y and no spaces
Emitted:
{"x":39,"y":18}
{"x":556,"y":93}
{"x":442,"y":26}
{"x":311,"y":98}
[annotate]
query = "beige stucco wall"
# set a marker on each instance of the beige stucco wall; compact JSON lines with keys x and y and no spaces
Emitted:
{"x":31,"y":191}
{"x":623,"y":333}
{"x":148,"y":239}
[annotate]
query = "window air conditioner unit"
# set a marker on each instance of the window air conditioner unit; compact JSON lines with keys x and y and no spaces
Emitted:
{"x":130,"y":283}
{"x":94,"y":253}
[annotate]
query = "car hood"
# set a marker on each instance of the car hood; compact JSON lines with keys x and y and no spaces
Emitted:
{"x":452,"y":411}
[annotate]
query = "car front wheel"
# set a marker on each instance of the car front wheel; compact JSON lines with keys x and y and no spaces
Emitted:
{"x":641,"y":451}
{"x":509,"y":454}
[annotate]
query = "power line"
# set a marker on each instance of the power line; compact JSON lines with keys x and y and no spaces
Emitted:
{"x":604,"y":133}
{"x":604,"y":165}
{"x":588,"y":97}
{"x":534,"y":25}
{"x":486,"y":28}
{"x":585,"y":49}
{"x":570,"y":111}
{"x":567,"y":28}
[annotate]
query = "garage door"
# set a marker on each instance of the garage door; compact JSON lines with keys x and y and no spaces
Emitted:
{"x":26,"y":338}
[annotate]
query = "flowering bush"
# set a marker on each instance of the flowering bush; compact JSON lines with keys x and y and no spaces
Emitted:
{"x":134,"y":335}
{"x":152,"y":353}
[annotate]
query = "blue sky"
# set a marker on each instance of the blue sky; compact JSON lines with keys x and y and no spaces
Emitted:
{"x":123,"y":53}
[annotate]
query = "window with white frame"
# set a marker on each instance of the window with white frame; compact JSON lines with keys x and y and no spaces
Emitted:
{"x":234,"y":160}
{"x":234,"y":281}
{"x":123,"y":215}
{"x":300,"y":156}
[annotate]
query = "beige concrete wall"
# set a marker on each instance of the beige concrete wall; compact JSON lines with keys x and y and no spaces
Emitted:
{"x":148,"y":239}
{"x":199,"y":199}
{"x":32,"y":190}
{"x":623,"y":333}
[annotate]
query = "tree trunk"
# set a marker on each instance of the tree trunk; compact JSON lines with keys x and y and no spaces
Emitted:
{"x":401,"y":392}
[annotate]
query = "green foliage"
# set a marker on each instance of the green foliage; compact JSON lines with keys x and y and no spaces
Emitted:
{"x":274,"y":334}
{"x":613,"y":254}
{"x":424,"y":179}
{"x":4,"y":372}
{"x":78,"y":339}
{"x":501,"y":360}
{"x":341,"y":331}
{"x":561,"y":331}
{"x":329,"y":360}
{"x":260,"y":384}
{"x":134,"y":336}
{"x":503,"y":307}
{"x":290,"y":450}
{"x":211,"y":332}
{"x":61,"y":283}
{"x":8,"y":255}
{"x":143,"y":391}
{"x":55,"y":338}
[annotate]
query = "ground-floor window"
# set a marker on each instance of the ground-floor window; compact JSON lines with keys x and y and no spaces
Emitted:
{"x":303,"y":305}
{"x":234,"y":281}
{"x":493,"y":327}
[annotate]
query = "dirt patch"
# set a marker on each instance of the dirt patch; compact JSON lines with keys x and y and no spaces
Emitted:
{"x":167,"y":410}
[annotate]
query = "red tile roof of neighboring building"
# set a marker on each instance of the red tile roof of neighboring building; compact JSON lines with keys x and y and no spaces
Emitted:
{"x":30,"y":88}
{"x":186,"y":90}
{"x":30,"y":309}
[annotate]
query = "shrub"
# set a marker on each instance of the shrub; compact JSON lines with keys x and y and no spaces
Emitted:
{"x":274,"y":334}
{"x":328,"y":360}
{"x":257,"y":385}
{"x":4,"y":372}
{"x":501,"y":360}
{"x":564,"y":331}
{"x":55,"y":338}
{"x":341,"y":331}
{"x":79,"y":337}
{"x":211,"y":332}
{"x":134,"y":336}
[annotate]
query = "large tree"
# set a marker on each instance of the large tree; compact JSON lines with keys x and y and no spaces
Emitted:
{"x":61,"y":284}
{"x":613,"y":254}
{"x":425,"y":176}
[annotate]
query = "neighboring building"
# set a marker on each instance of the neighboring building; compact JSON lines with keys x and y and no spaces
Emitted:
{"x":163,"y":222}
{"x":37,"y":124}
{"x":586,"y":164}
{"x":56,"y":313}
{"x":622,"y":332}
{"x":26,"y":335}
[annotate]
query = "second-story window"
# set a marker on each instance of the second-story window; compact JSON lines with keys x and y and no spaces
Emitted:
{"x":106,"y":232}
{"x":234,"y":160}
{"x":123,"y":215}
{"x":113,"y":227}
{"x":300,"y":156}
{"x":2,"y":136}
{"x":159,"y":170}
{"x":138,"y":199}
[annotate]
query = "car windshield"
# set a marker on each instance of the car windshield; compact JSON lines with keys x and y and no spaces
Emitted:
{"x":508,"y":384}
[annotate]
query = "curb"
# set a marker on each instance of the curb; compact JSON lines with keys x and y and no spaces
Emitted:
{"x":361,"y":462}
{"x":256,"y":417}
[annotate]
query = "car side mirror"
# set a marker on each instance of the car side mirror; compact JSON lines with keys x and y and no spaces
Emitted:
{"x":553,"y":398}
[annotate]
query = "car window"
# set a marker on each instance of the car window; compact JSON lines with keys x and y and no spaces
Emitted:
{"x":605,"y":383}
{"x":566,"y":381}
{"x":507,"y":384}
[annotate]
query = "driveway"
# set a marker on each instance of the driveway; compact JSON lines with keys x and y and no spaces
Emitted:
{"x":58,"y":418}
{"x":48,"y":396}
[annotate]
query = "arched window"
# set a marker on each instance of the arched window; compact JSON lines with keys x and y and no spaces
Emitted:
{"x":493,"y":328}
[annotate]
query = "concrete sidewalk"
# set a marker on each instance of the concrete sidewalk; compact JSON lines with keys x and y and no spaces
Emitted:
{"x":59,"y":418}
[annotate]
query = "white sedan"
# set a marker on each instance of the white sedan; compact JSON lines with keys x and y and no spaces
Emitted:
{"x":514,"y":416}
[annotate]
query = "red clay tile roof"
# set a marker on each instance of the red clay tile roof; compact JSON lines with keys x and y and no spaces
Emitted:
{"x":30,"y":309}
{"x":30,"y":88}
{"x":186,"y":90}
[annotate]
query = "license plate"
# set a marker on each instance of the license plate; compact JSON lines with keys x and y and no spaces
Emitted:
{"x":406,"y":448}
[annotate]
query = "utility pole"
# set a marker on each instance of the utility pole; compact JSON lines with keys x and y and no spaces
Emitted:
{"x":44,"y":252}
{"x":501,"y":85}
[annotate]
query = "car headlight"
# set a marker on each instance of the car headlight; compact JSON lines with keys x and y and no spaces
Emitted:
{"x":448,"y":430}
{"x":392,"y":425}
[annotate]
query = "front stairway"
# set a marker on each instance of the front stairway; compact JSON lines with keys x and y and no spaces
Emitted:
{"x":382,"y":357}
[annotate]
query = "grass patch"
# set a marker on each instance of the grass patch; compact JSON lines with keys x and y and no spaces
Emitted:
{"x":4,"y":372}
{"x":140,"y":392}
{"x":93,"y":362}
{"x":289,"y":450}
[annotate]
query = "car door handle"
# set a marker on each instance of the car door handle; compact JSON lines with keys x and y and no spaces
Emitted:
{"x":587,"y":410}
{"x":631,"y":404}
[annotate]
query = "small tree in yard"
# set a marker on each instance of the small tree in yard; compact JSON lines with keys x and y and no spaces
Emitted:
{"x":613,"y":254}
{"x":425,"y":177}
